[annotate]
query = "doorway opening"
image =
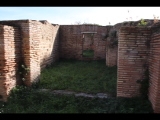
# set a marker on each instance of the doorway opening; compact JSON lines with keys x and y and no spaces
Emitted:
{"x":88,"y":44}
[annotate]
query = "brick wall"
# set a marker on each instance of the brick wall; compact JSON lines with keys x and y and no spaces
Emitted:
{"x":24,"y":28}
{"x":112,"y":49}
{"x":34,"y":45}
{"x":73,"y":42}
{"x":32,"y":48}
{"x":49,"y":44}
{"x":43,"y":42}
{"x":111,"y":56}
{"x":10,"y":56}
{"x":154,"y":70}
{"x":29,"y":50}
{"x":132,"y":57}
{"x":39,"y":43}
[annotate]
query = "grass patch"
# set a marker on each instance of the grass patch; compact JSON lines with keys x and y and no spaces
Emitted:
{"x":88,"y":53}
{"x":26,"y":100}
{"x":80,"y":76}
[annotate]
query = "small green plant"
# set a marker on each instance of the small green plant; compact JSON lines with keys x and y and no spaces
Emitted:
{"x":23,"y":71}
{"x":142,"y":23}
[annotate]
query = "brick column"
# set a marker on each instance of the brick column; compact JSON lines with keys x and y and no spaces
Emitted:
{"x":9,"y":58}
{"x":31,"y":49}
{"x":132,"y":56}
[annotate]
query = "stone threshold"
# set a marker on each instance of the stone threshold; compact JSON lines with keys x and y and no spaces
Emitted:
{"x":66,"y":92}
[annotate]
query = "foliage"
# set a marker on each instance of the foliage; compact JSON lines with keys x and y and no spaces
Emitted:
{"x":23,"y":71}
{"x":90,"y":77}
{"x":80,"y":76}
{"x":90,"y":24}
{"x":142,"y":23}
{"x":85,"y":23}
{"x":27,"y":100}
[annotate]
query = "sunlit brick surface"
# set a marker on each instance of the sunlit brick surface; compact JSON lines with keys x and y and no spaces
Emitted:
{"x":132,"y":57}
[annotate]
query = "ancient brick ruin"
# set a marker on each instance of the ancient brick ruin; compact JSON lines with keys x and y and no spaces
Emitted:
{"x":37,"y":44}
{"x":25,"y":42}
{"x":133,"y":52}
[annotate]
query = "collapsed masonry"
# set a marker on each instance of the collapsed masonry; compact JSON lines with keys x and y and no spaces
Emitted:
{"x":37,"y":44}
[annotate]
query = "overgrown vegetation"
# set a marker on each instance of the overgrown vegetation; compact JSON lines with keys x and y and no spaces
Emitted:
{"x":142,"y":23}
{"x":91,"y":24}
{"x":85,"y":23}
{"x":80,"y":76}
{"x":27,"y":100}
{"x":23,"y":70}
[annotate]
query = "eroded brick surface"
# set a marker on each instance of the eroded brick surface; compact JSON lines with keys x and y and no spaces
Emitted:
{"x":111,"y":56}
{"x":74,"y":39}
{"x":154,"y":70}
{"x":132,"y":57}
{"x":10,"y":45}
{"x":25,"y":42}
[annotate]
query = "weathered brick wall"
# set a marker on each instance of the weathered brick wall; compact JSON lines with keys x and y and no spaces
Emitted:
{"x":23,"y":26}
{"x":33,"y":48}
{"x":154,"y":70}
{"x":43,"y":48}
{"x":10,"y":56}
{"x":49,"y":44}
{"x":100,"y":42}
{"x":111,"y":47}
{"x":43,"y":42}
{"x":39,"y":43}
{"x":111,"y":56}
{"x":34,"y":45}
{"x":29,"y":50}
{"x":132,"y":57}
{"x":73,"y":42}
